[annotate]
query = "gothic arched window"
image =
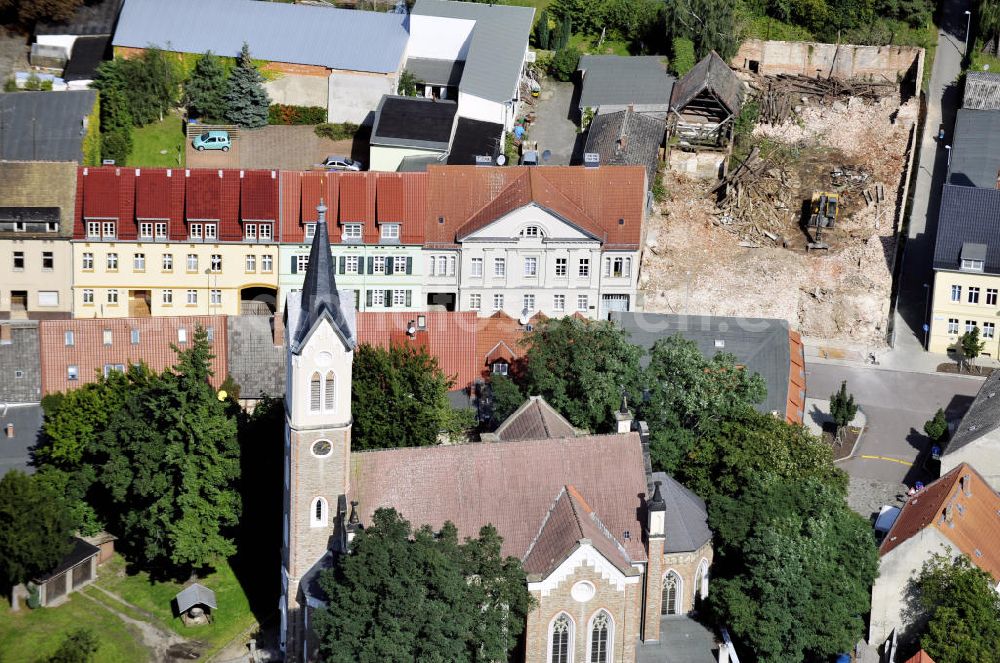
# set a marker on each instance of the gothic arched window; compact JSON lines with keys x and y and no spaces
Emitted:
{"x":601,"y":631}
{"x":317,"y":515}
{"x":315,"y":386}
{"x":561,"y":640}
{"x":329,"y":392}
{"x":671,"y":594}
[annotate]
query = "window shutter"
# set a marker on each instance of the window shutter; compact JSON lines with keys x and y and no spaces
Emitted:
{"x":409,"y":267}
{"x":295,"y":265}
{"x":343,"y":264}
{"x":388,"y":264}
{"x":409,"y":296}
{"x":371,"y":265}
{"x":388,"y":298}
{"x":368,"y":298}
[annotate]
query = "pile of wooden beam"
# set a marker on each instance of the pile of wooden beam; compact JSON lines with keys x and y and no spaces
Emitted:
{"x":778,"y":95}
{"x":754,"y":201}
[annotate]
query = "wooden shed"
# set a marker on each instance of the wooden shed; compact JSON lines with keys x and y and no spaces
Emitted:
{"x":76,"y":570}
{"x":704,"y":103}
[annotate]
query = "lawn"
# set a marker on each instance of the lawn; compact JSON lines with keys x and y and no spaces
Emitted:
{"x":30,"y":636}
{"x":151,"y":140}
{"x":232,"y":617}
{"x":588,"y":44}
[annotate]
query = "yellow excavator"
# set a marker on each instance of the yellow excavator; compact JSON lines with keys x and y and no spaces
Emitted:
{"x":822,"y":215}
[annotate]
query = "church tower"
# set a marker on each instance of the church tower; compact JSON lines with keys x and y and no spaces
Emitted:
{"x":319,"y":356}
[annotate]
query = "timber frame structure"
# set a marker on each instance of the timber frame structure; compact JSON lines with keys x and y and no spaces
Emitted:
{"x":704,"y":104}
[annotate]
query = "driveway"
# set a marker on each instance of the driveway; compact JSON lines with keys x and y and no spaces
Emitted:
{"x":896,"y":405}
{"x":554,"y":127}
{"x":279,"y":147}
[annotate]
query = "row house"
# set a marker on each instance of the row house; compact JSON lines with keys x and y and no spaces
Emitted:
{"x":162,"y":242}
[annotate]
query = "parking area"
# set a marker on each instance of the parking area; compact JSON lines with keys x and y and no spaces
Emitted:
{"x":554,"y":127}
{"x":279,"y":147}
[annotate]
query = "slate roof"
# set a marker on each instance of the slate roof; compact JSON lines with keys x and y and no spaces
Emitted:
{"x":510,"y":485}
{"x":982,"y":90}
{"x":347,"y":39}
{"x":964,"y":509}
{"x":975,"y":154}
{"x":195,"y":594}
{"x":497,"y":45}
{"x":534,"y":420}
{"x":760,"y":344}
{"x":968,"y":214}
{"x":474,"y":138}
{"x":20,"y":354}
{"x":88,"y":52}
{"x":568,"y":523}
{"x":432,"y":71}
{"x":712,"y":74}
{"x":416,"y":122}
{"x":44,"y":126}
{"x":255,"y":362}
{"x":40,"y":184}
{"x":96,"y":17}
{"x":615,"y":80}
{"x":686,"y":518}
{"x":627,"y":138}
{"x":81,"y":551}
{"x":15,"y":453}
{"x":982,"y":417}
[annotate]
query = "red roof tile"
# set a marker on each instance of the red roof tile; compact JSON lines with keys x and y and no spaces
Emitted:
{"x":259,"y":196}
{"x":152,"y":194}
{"x":101,"y":193}
{"x":500,"y":337}
{"x":534,"y":420}
{"x":510,"y":485}
{"x":204,"y":195}
{"x":920,"y":657}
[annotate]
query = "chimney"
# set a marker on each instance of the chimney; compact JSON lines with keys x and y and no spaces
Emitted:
{"x":657,"y":509}
{"x":353,"y":522}
{"x":278,"y":329}
{"x":9,"y":431}
{"x":623,"y":418}
{"x":966,"y":482}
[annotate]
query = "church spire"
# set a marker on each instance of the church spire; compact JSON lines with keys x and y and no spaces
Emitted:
{"x":319,"y":291}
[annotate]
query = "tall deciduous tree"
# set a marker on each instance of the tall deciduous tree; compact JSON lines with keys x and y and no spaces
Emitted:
{"x":246,"y":100}
{"x":580,"y":367}
{"x":205,"y":90}
{"x":423,"y":596}
{"x":707,"y":23}
{"x":34,"y":528}
{"x":507,"y":397}
{"x":28,"y":12}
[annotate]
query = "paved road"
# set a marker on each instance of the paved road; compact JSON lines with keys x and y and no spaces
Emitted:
{"x":942,"y":103}
{"x":554,"y":128}
{"x":896,"y":404}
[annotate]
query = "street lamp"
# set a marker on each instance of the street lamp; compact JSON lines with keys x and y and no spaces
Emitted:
{"x":968,"y":24}
{"x":927,"y":304}
{"x":948,"y":147}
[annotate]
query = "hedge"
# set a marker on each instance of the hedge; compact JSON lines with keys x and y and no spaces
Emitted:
{"x":285,"y":114}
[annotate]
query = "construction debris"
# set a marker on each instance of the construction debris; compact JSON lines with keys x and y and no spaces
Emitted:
{"x":779,"y":96}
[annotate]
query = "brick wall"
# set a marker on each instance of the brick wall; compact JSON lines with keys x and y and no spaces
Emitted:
{"x":686,"y":565}
{"x":654,"y":590}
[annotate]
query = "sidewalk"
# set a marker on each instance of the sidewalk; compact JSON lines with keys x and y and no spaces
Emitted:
{"x":902,"y":359}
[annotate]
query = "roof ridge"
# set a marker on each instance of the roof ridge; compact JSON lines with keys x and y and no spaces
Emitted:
{"x":443,"y":447}
{"x":573,"y":493}
{"x":537,"y":173}
{"x":545,"y":520}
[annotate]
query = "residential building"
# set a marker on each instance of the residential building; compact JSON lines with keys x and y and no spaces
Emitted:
{"x":976,"y":439}
{"x":500,"y":343}
{"x":412,"y":128}
{"x":612,"y":83}
{"x":627,"y":138}
{"x":974,"y":158}
{"x":959,"y":514}
{"x":473,"y":140}
{"x":20,"y":377}
{"x":162,"y":242}
{"x":609,"y":565}
{"x":556,"y":240}
{"x":966,"y":269}
{"x":341,"y":59}
{"x":76,"y":352}
{"x":50,"y":126}
{"x":765,"y":346}
{"x":36,"y":223}
{"x":491,"y":43}
{"x":377,"y":235}
{"x":79,"y":43}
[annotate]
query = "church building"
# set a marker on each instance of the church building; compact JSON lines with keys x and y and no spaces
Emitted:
{"x":611,"y":550}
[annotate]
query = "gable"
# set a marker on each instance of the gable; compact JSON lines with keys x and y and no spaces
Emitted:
{"x":588,"y":556}
{"x":510,"y":225}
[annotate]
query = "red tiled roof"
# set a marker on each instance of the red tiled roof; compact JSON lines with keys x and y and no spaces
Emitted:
{"x":102,"y":192}
{"x":964,"y":509}
{"x":534,"y":420}
{"x":152,"y":194}
{"x":795,"y":410}
{"x":510,"y":485}
{"x":204,"y":194}
{"x":259,"y":195}
{"x":920,"y":657}
{"x":89,"y":353}
{"x":500,"y":337}
{"x":449,"y":336}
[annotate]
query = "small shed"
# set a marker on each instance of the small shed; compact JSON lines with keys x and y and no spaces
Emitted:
{"x":76,"y":570}
{"x":705,"y":101}
{"x":195,"y":604}
{"x":105,"y":542}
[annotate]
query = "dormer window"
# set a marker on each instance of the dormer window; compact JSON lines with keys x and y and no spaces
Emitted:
{"x":972,"y":265}
{"x":390,"y":231}
{"x":310,"y":231}
{"x":352,"y":232}
{"x":531,"y":231}
{"x":973,"y":257}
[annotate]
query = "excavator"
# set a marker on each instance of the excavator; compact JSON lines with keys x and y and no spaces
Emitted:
{"x":822,"y":214}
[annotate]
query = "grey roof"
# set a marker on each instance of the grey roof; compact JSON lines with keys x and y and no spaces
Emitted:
{"x":497,"y":46}
{"x":534,"y":420}
{"x":616,"y":80}
{"x":44,"y":126}
{"x":627,"y":138}
{"x":20,"y":357}
{"x":416,"y":122}
{"x":760,"y":344}
{"x":982,"y":90}
{"x":712,"y":74}
{"x":96,"y":17}
{"x":686,"y":518}
{"x":432,"y":71}
{"x":80,"y":552}
{"x":279,"y":32}
{"x":195,"y":594}
{"x":319,"y":297}
{"x":15,"y":453}
{"x":88,"y":53}
{"x":417,"y":163}
{"x":255,"y":362}
{"x":474,"y":138}
{"x":968,"y":215}
{"x":975,"y":154}
{"x":983,"y":416}
{"x":973,"y":251}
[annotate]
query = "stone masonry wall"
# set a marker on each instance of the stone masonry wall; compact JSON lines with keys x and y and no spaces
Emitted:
{"x":686,"y":565}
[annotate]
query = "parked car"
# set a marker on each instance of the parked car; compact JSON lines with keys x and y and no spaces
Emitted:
{"x":212,"y":140}
{"x":334,"y":162}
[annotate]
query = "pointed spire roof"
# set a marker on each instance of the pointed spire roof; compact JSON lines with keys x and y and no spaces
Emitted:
{"x":319,"y":291}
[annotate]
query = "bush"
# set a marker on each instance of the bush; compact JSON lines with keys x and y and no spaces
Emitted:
{"x":564,"y":63}
{"x":116,"y":145}
{"x":34,"y":600}
{"x":285,"y":114}
{"x":10,"y":85}
{"x":341,"y":131}
{"x":683,"y":59}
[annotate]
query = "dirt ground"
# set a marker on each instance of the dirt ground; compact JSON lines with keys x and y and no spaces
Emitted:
{"x":695,"y":264}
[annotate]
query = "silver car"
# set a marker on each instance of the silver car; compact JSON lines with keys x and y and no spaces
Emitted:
{"x":334,"y":162}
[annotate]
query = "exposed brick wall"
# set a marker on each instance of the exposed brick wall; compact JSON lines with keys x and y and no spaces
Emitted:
{"x":686,"y":565}
{"x":654,"y":590}
{"x":297,"y":69}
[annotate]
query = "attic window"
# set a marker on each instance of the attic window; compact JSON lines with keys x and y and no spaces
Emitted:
{"x":972,"y":265}
{"x":720,"y":343}
{"x":973,"y":257}
{"x":626,"y":535}
{"x":440,"y":219}
{"x":621,"y":222}
{"x":531,"y":231}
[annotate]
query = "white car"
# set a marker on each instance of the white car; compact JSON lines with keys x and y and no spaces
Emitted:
{"x":341,"y":163}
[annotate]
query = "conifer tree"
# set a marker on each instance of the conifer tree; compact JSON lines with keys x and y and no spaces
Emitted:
{"x":842,"y":409}
{"x":205,"y":90}
{"x":246,"y":100}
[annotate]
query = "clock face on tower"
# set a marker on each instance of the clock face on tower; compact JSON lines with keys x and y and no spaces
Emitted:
{"x":321,"y":448}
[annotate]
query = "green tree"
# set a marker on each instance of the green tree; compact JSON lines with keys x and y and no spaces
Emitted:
{"x":116,"y":125}
{"x":246,"y":100}
{"x":963,"y":611}
{"x":507,"y":397}
{"x":35,"y":528}
{"x":420,"y":595}
{"x":937,"y":427}
{"x":580,"y":367}
{"x":400,"y":399}
{"x":842,"y":410}
{"x":79,"y":646}
{"x":970,"y":346}
{"x":407,"y":84}
{"x":29,"y":12}
{"x":564,"y":63}
{"x":794,"y":569}
{"x":709,"y":24}
{"x":205,"y":90}
{"x":683,"y":55}
{"x":542,"y":30}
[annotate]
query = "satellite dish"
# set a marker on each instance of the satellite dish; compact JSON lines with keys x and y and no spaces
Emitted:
{"x":523,"y":320}
{"x":501,"y":159}
{"x":546,"y":155}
